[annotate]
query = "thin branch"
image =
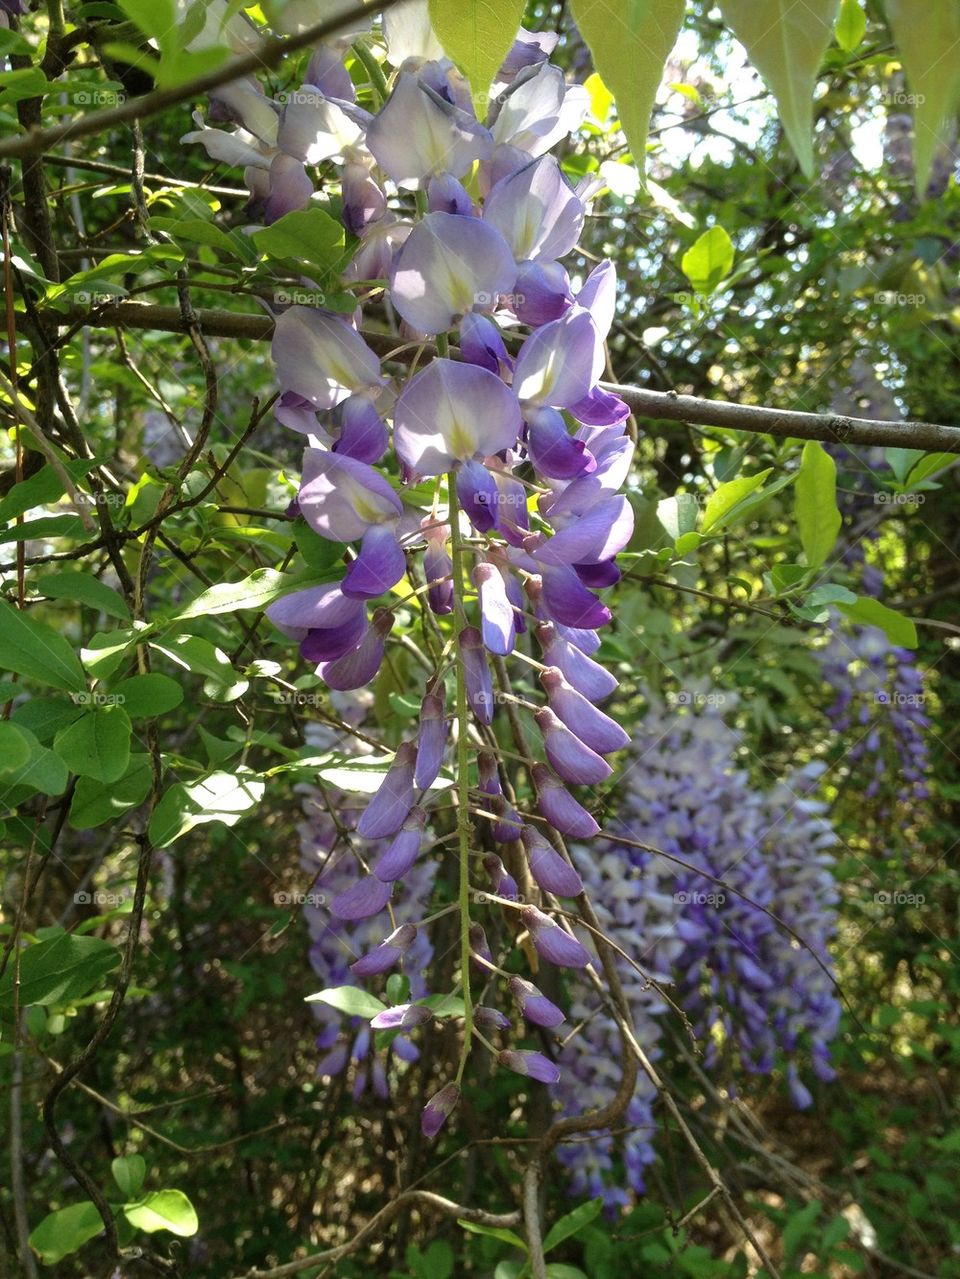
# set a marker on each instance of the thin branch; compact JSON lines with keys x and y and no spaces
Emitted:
{"x":267,"y":55}
{"x":665,"y":406}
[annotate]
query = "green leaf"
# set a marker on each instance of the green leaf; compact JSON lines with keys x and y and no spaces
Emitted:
{"x":559,"y":1270}
{"x":308,"y":235}
{"x":901,"y":461}
{"x":929,"y":465}
{"x":59,"y":969}
{"x":164,"y":1210}
{"x":95,"y":803}
{"x":105,"y":651}
{"x":64,"y":1231}
{"x":726,"y":496}
{"x":444,"y":1005}
{"x":851,"y":25}
{"x":927,"y":33}
{"x":709,"y":260}
{"x":818,"y":519}
{"x":258,"y":590}
{"x":493,"y":1232}
{"x":630,"y":45}
{"x":36,"y":650}
{"x":678,"y":514}
{"x":70,"y":526}
{"x":43,"y":772}
{"x":219,"y":797}
{"x":786,"y":42}
{"x":15,"y":748}
{"x":84,"y":588}
{"x":97,"y":745}
{"x":128,"y":1172}
{"x":571,"y":1223}
{"x":45,"y":716}
{"x":898,"y":629}
{"x":222,"y":684}
{"x":41,"y":489}
{"x":477,"y":35}
{"x":349,"y":999}
{"x":143,"y":696}
{"x":153,"y":17}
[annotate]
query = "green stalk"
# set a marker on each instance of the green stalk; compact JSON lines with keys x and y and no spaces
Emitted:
{"x":464,"y":828}
{"x":373,"y":69}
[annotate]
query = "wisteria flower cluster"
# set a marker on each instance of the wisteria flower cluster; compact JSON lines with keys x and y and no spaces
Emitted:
{"x":462,"y":223}
{"x":734,"y":924}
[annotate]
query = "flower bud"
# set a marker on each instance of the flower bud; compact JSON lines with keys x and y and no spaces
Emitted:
{"x":438,"y":1109}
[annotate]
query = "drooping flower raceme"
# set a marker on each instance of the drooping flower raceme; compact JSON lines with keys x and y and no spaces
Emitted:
{"x":499,"y":503}
{"x":731,"y":923}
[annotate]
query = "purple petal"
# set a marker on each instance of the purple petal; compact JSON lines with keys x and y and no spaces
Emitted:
{"x":404,"y":848}
{"x":326,"y":72}
{"x":449,"y":265}
{"x":529,"y":49}
{"x":477,"y":672}
{"x":600,"y":408}
{"x":341,"y":498}
{"x":581,"y":716}
{"x":551,"y":871}
{"x":559,"y":362}
{"x":358,"y":667}
{"x":481,"y":343}
{"x":363,"y":201}
{"x":534,"y":1065}
{"x":431,"y":740}
{"x":321,"y":357}
{"x":541,"y":293}
{"x":571,"y":758}
{"x":290,"y":188}
{"x":438,"y":1109}
{"x":597,"y":577}
{"x":478,"y":495}
{"x":501,"y":881}
{"x":297,"y":413}
{"x":385,"y":956}
{"x":588,"y":533}
{"x":388,"y":809}
{"x":536,"y":210}
{"x":585,"y":675}
{"x":451,"y":412}
{"x":599,"y":296}
{"x":417,"y":134}
{"x":361,"y":900}
{"x":553,"y":450}
{"x":328,"y":644}
{"x":313,"y":128}
{"x":534,"y":1005}
{"x":540,"y":110}
{"x":553,"y":942}
{"x":446,"y":195}
{"x":321,"y":607}
{"x":362,"y":431}
{"x":437,"y":569}
{"x":401,"y":1016}
{"x":490,"y":1018}
{"x":379,"y":566}
{"x":565,"y":599}
{"x":496,"y":611}
{"x":559,"y":807}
